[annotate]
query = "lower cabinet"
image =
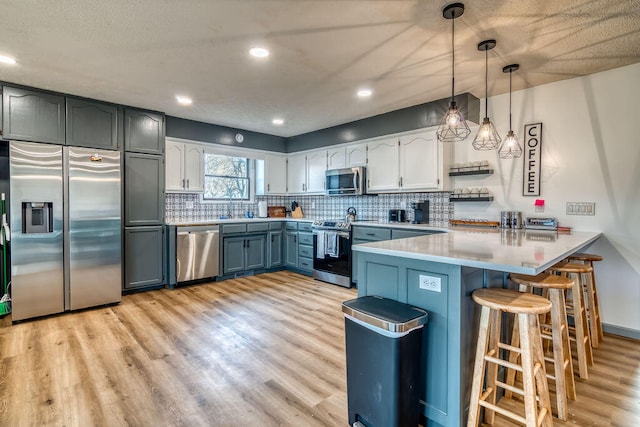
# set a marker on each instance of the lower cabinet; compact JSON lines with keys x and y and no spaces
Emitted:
{"x":291,"y":249}
{"x":143,"y":266}
{"x":243,"y":253}
{"x":274,"y":249}
{"x":305,"y":248}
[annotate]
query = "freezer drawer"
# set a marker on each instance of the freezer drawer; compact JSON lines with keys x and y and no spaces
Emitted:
{"x":197,"y":253}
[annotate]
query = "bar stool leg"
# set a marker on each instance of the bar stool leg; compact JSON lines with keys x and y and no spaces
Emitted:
{"x":594,"y":312}
{"x":583,"y":342}
{"x":563,"y":366}
{"x":492,"y":370}
{"x":533,"y":373}
{"x":596,"y":304}
{"x":478,"y":367}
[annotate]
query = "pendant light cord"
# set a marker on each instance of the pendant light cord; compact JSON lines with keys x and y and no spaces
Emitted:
{"x":510,"y":74}
{"x":453,"y":57}
{"x":486,"y":82}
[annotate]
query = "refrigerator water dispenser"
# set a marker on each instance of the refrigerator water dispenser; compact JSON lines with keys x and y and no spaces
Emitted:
{"x":37,"y":217}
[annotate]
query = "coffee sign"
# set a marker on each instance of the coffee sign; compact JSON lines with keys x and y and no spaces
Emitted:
{"x":532,"y":159}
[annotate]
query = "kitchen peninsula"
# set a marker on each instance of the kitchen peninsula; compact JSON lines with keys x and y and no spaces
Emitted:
{"x":438,"y":273}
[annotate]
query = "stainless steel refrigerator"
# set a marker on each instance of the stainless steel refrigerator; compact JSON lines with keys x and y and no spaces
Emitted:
{"x":66,"y":228}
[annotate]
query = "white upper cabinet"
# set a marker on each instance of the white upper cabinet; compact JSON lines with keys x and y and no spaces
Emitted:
{"x":316,"y":168}
{"x":382,"y":165}
{"x":184,"y":167}
{"x":419,"y":162}
{"x":356,"y":155}
{"x":336,"y":158}
{"x":297,"y":174}
{"x":275,"y":174}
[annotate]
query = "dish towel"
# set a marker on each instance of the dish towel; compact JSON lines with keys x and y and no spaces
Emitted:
{"x":321,"y":241}
{"x":332,"y":244}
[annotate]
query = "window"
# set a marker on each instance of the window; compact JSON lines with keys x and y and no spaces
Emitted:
{"x":226,"y":177}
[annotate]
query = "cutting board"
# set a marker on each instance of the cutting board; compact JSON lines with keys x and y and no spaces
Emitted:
{"x":276,"y":211}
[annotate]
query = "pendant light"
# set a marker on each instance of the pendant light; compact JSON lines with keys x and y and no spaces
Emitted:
{"x":453,"y":126}
{"x":510,"y":148}
{"x":487,"y":137}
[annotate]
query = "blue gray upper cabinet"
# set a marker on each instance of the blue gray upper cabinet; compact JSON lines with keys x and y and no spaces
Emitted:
{"x":143,"y":132}
{"x":92,"y":124}
{"x":29,"y":115}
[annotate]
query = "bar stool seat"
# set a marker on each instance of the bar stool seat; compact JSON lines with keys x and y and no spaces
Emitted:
{"x":535,"y":391}
{"x":557,"y":332}
{"x":579,"y":312}
{"x":593,"y":309}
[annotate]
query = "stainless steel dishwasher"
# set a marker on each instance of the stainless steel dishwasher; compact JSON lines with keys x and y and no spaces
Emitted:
{"x":198,"y":252}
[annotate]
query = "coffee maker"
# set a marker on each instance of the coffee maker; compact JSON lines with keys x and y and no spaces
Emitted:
{"x":420,"y":212}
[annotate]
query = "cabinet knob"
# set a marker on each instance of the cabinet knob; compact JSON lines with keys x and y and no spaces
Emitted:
{"x":187,"y":183}
{"x":183,"y":183}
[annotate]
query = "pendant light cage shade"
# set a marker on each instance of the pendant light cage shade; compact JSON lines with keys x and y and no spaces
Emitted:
{"x":487,"y":137}
{"x":453,"y":127}
{"x":510,"y":148}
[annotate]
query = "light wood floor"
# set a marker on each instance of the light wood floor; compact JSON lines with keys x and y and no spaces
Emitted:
{"x":266,"y":350}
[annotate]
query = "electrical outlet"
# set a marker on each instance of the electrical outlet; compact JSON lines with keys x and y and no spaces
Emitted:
{"x":581,"y":208}
{"x":430,"y":283}
{"x":189,"y":204}
{"x":403,"y":204}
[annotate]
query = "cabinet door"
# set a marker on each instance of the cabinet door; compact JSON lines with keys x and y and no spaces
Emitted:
{"x":92,"y":124}
{"x":233,"y":254}
{"x":255,"y":252}
{"x":356,"y":155}
{"x":382,"y":165}
{"x":143,"y":132}
{"x":143,"y":189}
{"x":291,"y":249}
{"x":32,"y":116}
{"x":143,"y":258}
{"x":419,"y":162}
{"x":296,"y":174}
{"x":194,"y":167}
{"x":336,"y":158}
{"x":276,"y":174}
{"x":274,"y":256}
{"x":316,"y":168}
{"x":174,"y":170}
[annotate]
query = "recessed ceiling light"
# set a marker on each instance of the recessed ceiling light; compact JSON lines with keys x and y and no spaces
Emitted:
{"x":364,"y":93}
{"x":7,"y":60}
{"x":259,"y":52}
{"x":184,"y":100}
{"x":277,"y":122}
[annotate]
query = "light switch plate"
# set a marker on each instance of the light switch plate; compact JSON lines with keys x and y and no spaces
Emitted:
{"x":581,"y":208}
{"x":430,"y":283}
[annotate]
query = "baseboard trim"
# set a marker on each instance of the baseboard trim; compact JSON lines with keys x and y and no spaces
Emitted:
{"x":622,"y":331}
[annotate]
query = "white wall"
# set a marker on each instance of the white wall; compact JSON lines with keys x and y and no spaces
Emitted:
{"x":590,"y":153}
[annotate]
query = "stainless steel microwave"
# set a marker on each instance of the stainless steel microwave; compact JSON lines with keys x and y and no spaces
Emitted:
{"x":346,"y":181}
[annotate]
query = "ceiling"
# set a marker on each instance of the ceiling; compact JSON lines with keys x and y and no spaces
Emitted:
{"x":145,"y":52}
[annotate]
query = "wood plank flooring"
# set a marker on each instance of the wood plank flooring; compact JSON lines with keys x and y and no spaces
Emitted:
{"x":266,"y":350}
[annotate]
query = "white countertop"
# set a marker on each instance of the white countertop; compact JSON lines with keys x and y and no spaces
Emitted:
{"x":234,"y":220}
{"x":512,"y":251}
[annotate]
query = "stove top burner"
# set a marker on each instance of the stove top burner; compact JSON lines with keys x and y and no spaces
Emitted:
{"x":331,"y":224}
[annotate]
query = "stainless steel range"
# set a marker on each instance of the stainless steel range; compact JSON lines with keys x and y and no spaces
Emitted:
{"x":332,"y":251}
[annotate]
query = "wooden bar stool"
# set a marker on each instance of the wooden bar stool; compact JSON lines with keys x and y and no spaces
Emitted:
{"x":579,"y":312}
{"x":557,"y":332}
{"x":593,"y":309}
{"x":535,"y":391}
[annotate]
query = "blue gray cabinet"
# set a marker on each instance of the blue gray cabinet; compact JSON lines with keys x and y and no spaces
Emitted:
{"x":91,"y":124}
{"x":143,"y":257}
{"x":233,"y":259}
{"x":143,"y":131}
{"x":291,"y":249}
{"x":29,"y":115}
{"x":305,"y":247}
{"x":244,"y":247}
{"x":255,"y":252}
{"x":275,"y":245}
{"x":143,"y":189}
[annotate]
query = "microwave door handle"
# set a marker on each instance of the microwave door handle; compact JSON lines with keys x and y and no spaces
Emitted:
{"x":355,"y":179}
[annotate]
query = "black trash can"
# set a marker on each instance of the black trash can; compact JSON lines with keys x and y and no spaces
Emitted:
{"x":383,"y":341}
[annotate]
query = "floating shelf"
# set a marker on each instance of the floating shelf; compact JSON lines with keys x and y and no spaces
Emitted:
{"x":470,"y":171}
{"x":468,"y":198}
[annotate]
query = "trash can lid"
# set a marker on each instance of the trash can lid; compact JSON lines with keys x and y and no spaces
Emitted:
{"x":385,"y":313}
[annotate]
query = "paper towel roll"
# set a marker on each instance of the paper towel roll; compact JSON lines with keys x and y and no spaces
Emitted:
{"x":262,"y":209}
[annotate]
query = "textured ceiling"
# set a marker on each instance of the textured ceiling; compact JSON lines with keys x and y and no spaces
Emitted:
{"x":144,"y":52}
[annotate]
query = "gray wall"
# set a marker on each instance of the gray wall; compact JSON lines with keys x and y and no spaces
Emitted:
{"x":410,"y":118}
{"x":216,"y":134}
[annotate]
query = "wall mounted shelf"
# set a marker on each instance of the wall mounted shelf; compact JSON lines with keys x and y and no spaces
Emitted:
{"x":470,"y":171}
{"x":474,"y":198}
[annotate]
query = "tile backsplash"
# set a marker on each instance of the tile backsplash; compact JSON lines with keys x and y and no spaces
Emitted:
{"x":190,"y":208}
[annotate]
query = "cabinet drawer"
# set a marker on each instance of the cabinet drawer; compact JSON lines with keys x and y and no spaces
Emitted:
{"x":305,"y":239}
{"x":290,"y":225}
{"x":371,"y":233}
{"x":304,"y":226}
{"x":234,"y":228}
{"x":275,"y":225}
{"x":258,"y":226}
{"x":305,"y":263}
{"x":305,"y":251}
